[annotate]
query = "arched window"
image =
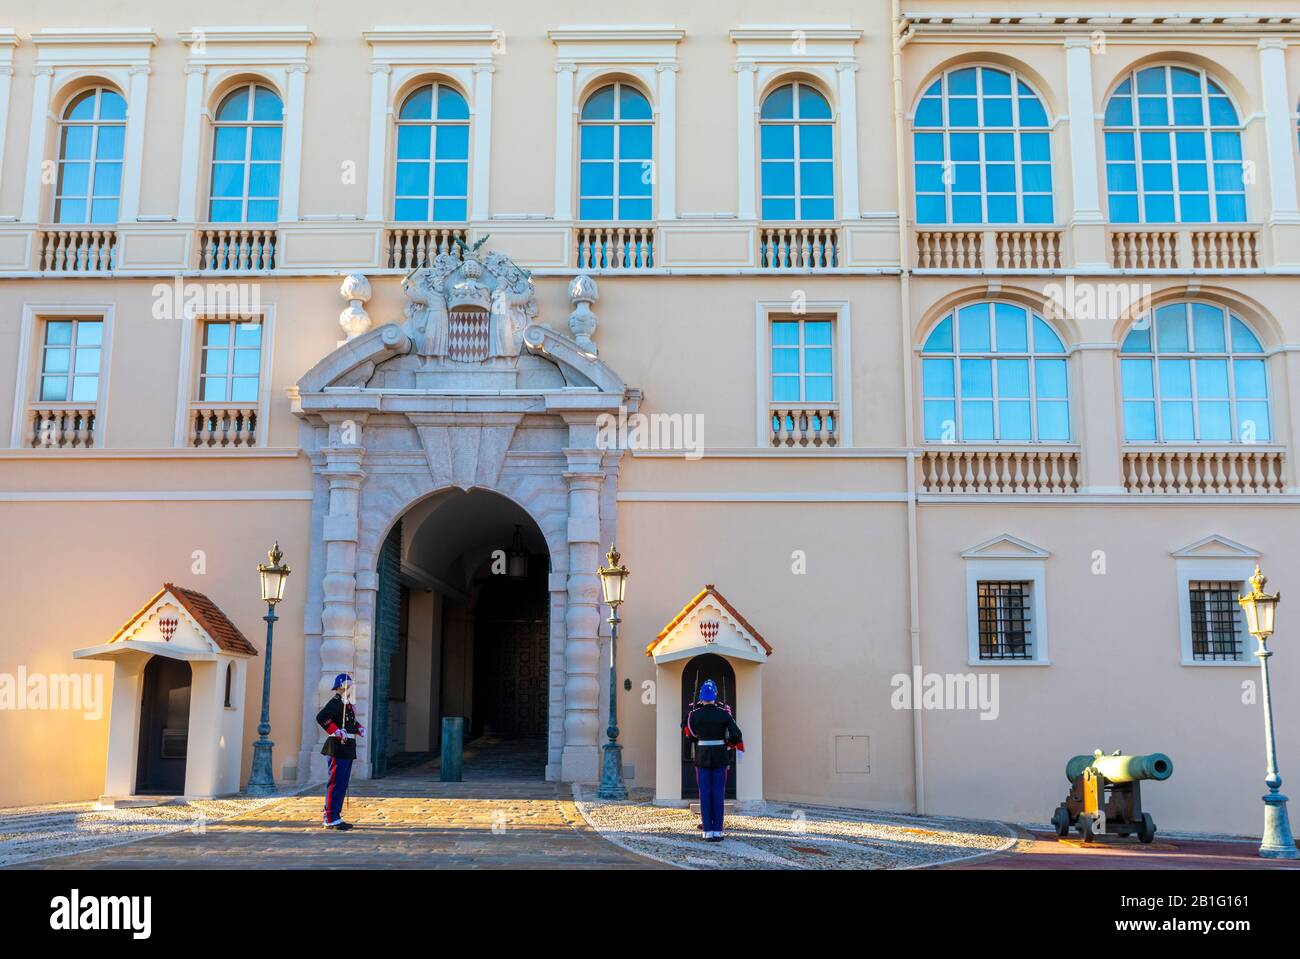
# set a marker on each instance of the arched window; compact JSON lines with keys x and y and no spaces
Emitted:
{"x":432,"y":182}
{"x":982,"y":150}
{"x":246,"y":139}
{"x":796,"y":130}
{"x":91,"y":138}
{"x":1173,"y":150}
{"x":995,"y":372}
{"x":1200,"y":377}
{"x":616,"y":180}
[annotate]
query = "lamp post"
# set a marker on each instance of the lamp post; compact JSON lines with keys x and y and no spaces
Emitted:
{"x":261,"y":780}
{"x":1260,"y":608}
{"x":613,"y":583}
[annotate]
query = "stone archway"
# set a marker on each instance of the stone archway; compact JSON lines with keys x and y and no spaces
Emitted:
{"x":388,"y":420}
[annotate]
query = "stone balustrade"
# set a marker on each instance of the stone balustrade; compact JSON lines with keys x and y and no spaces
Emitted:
{"x":615,"y":246}
{"x":61,"y":426}
{"x":999,"y":469}
{"x":1184,"y":248}
{"x":415,"y":247}
{"x":798,"y":246}
{"x":62,"y":249}
{"x":1200,"y":470}
{"x":238,"y":249}
{"x":805,"y":425}
{"x":223,"y":426}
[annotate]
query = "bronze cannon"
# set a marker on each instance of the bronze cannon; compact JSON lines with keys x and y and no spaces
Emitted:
{"x":1106,"y":794}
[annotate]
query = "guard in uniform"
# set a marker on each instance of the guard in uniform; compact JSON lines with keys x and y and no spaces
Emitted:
{"x":339,"y":721}
{"x":715,"y":733}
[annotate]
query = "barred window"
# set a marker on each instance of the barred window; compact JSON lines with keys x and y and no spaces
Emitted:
{"x":1004,"y":620}
{"x":1216,"y":620}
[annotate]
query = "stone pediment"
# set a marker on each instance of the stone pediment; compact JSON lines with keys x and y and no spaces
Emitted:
{"x":1215,"y":547}
{"x":708,"y":624}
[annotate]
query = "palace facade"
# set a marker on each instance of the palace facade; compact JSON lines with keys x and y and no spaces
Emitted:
{"x":936,"y":371}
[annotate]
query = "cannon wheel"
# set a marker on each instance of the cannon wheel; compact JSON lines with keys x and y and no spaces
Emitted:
{"x":1147,"y":831}
{"x":1061,"y":821}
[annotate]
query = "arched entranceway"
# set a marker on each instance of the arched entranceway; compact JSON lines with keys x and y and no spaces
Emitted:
{"x":164,"y":726}
{"x":702,"y":667}
{"x":462,"y":628}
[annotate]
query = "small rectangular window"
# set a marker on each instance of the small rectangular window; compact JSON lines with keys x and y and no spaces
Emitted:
{"x":71,"y":352}
{"x":802,"y":361}
{"x":1005,"y":619}
{"x":231,"y":362}
{"x":1217,"y":631}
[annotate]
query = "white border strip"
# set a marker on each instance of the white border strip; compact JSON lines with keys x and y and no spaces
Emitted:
{"x":151,"y":496}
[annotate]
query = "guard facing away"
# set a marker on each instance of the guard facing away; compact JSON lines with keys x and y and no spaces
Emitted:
{"x":339,"y":721}
{"x":715,"y":733}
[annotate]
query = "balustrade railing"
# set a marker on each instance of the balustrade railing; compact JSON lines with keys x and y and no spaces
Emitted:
{"x":61,"y":426}
{"x":615,"y":246}
{"x":63,"y":249}
{"x":798,"y":246}
{"x":221,"y":425}
{"x":1193,"y":470}
{"x":1000,"y":469}
{"x":805,"y":425}
{"x":236,"y":249}
{"x":415,"y":247}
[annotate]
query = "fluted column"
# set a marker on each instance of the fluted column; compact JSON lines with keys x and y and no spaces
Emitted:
{"x":579,"y":762}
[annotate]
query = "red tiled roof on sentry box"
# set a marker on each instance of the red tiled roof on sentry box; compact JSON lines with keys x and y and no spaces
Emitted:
{"x":206,"y":613}
{"x":708,"y":589}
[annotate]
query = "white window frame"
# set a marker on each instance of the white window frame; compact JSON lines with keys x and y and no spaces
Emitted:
{"x":435,"y":125}
{"x":188,"y":382}
{"x":1220,"y":565}
{"x":617,"y":123}
{"x":985,"y":564}
{"x":796,"y":122}
{"x":841,"y":363}
{"x":92,"y":161}
{"x":30,"y":342}
{"x":249,"y":124}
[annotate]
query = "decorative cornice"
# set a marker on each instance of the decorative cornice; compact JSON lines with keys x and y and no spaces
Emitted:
{"x":794,"y":32}
{"x":464,"y":34}
{"x":1127,"y":27}
{"x":98,"y":36}
{"x":247,"y":35}
{"x":628,"y":34}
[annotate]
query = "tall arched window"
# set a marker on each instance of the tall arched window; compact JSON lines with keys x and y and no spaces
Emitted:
{"x":616,"y":150}
{"x":432,"y":182}
{"x":246,"y":137}
{"x":91,"y":138}
{"x":1200,"y":377}
{"x":995,"y":372}
{"x":1173,"y":149}
{"x":982,"y":150}
{"x":796,"y":130}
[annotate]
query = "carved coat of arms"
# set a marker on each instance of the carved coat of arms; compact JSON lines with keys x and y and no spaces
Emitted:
{"x":468,"y":309}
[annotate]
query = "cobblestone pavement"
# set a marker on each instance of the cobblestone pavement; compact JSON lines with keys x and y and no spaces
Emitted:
{"x":786,"y":836}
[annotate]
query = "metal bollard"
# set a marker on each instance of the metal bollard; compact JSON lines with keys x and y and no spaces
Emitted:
{"x":453,"y":747}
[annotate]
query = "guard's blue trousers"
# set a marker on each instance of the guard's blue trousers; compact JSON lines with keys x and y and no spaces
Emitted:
{"x":713,"y":789}
{"x":340,"y":773}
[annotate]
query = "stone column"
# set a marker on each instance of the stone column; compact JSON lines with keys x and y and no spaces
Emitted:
{"x":378,"y":147}
{"x":342,"y":469}
{"x":191,"y":132}
{"x":36,"y":142}
{"x":579,"y":762}
{"x":846,"y":76}
{"x":666,"y":165}
{"x":564,"y":107}
{"x":1087,"y":225}
{"x":480,"y":190}
{"x":746,"y":126}
{"x":134,"y":163}
{"x":1279,"y":132}
{"x":291,"y":166}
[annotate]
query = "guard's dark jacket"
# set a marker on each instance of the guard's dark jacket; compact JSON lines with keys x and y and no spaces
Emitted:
{"x":710,"y":721}
{"x":334,"y":715}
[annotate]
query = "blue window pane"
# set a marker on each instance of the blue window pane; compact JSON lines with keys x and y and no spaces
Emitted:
{"x":235,"y":106}
{"x":1139,"y":422}
{"x":777,"y":142}
{"x":1253,"y":422}
{"x":1000,"y":178}
{"x":1176,"y":379}
{"x":449,"y":211}
{"x":1159,"y":209}
{"x":1250,"y":379}
{"x":997,"y":112}
{"x":785,"y":361}
{"x":103,"y":211}
{"x":963,"y":81}
{"x":976,"y":378}
{"x":1011,"y":327}
{"x":1158,"y":177}
{"x":818,"y":389}
{"x":937,"y":376}
{"x":451,"y":105}
{"x":928,"y":146}
{"x":1036,"y":178}
{"x":778,"y":209}
{"x":229,"y":143}
{"x":929,"y":178}
{"x":815,"y":142}
{"x":812,"y":105}
{"x":929,"y":113}
{"x":1035,"y":146}
{"x":1216,"y":421}
{"x":1153,"y":111}
{"x":267,"y":106}
{"x":977,"y":420}
{"x":1050,"y":380}
{"x":940,"y":420}
{"x":108,"y":179}
{"x":225,"y":211}
{"x":1155,"y":146}
{"x":973,"y":328}
{"x":785,"y":389}
{"x":1002,"y":209}
{"x":1171,"y":328}
{"x":450,"y":179}
{"x":590,"y":209}
{"x":598,"y":142}
{"x":966,"y":178}
{"x":451,"y":143}
{"x":1243,"y":340}
{"x":264,"y":179}
{"x":1013,"y":420}
{"x":940,"y":338}
{"x":817,"y":210}
{"x":966,"y":209}
{"x":1183,"y":80}
{"x":1013,"y":378}
{"x":964,"y":146}
{"x":1123,"y":209}
{"x":1032,"y":113}
{"x":930,"y":209}
{"x":778,"y":179}
{"x":263,"y":211}
{"x":1138,"y":340}
{"x":817,"y":361}
{"x":1188,"y":112}
{"x":266,"y":143}
{"x":995,"y":82}
{"x":411,"y":211}
{"x":1212,"y":379}
{"x":785,"y":333}
{"x":1195,"y":209}
{"x":412,"y":142}
{"x":227,"y":179}
{"x":1038,"y":209}
{"x":1227,"y":177}
{"x":418,"y":106}
{"x":1176,"y":421}
{"x":1119,"y":111}
{"x":1222,"y":112}
{"x":1135,"y":375}
{"x":600,"y":105}
{"x":779,"y":104}
{"x":412,"y":179}
{"x":1121,"y":177}
{"x":111,"y":105}
{"x":1053,"y":422}
{"x":635,"y":142}
{"x":1119,"y":146}
{"x":76,"y":143}
{"x":816,"y":179}
{"x":634,"y":178}
{"x":1225,"y":146}
{"x":999,"y":147}
{"x":1190,"y":146}
{"x":108,"y":145}
{"x":1207,"y":328}
{"x":74,"y":179}
{"x":1231,"y":209}
{"x":1151,"y":80}
{"x":1192,"y":177}
{"x":1045,"y":338}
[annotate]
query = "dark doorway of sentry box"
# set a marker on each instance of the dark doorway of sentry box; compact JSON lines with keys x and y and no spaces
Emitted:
{"x":702,"y":667}
{"x":164,"y":726}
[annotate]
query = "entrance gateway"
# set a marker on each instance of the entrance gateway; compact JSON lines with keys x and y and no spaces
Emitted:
{"x":431,"y":439}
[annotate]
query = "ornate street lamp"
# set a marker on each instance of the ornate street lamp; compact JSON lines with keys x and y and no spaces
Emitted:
{"x":613,"y":583}
{"x":1260,"y":608}
{"x":261,"y":780}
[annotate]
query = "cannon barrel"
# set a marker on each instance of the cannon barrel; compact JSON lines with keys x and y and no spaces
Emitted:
{"x":1122,"y":769}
